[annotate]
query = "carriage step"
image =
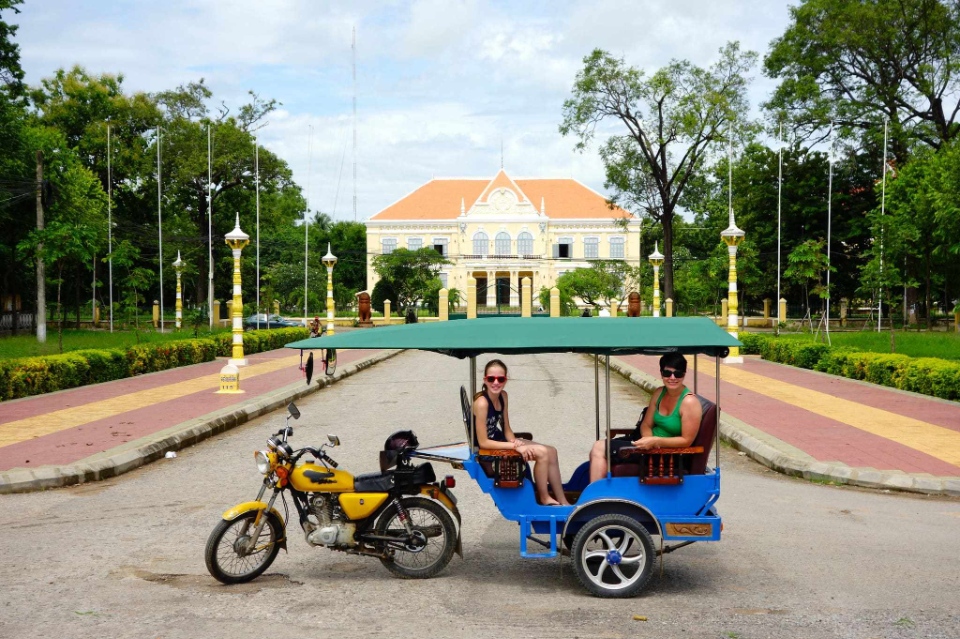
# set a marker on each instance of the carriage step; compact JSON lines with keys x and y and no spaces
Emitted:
{"x":526,"y":534}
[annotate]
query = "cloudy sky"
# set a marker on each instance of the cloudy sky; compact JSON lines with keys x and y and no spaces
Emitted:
{"x":440,"y":83}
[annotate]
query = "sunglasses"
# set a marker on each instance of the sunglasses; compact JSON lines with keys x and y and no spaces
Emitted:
{"x":500,"y":379}
{"x":666,"y":373}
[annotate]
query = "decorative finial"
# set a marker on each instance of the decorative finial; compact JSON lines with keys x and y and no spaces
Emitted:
{"x":463,"y":208}
{"x":543,"y":206}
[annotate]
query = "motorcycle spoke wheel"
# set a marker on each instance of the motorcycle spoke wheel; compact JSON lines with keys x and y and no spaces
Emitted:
{"x":432,"y":546}
{"x":231,"y":557}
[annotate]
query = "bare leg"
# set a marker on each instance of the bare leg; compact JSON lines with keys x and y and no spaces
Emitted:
{"x":556,"y":481}
{"x":541,"y":475}
{"x":598,"y":460}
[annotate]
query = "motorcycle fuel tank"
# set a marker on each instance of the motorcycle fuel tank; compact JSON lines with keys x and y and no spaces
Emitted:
{"x":314,"y":478}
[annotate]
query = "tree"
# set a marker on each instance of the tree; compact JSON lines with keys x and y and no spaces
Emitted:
{"x":673,"y":120}
{"x":807,"y":266}
{"x":856,"y":63}
{"x":409,"y":272}
{"x":604,"y":281}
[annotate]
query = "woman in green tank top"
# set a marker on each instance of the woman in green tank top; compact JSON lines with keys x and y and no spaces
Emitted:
{"x":672,"y":418}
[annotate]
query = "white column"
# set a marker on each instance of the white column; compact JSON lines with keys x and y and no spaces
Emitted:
{"x":514,"y":288}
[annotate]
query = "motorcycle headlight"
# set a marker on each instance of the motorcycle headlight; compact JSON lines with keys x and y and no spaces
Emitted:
{"x":265,"y":461}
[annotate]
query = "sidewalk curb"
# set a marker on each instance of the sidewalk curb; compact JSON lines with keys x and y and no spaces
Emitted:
{"x":784,"y":458}
{"x":131,"y":455}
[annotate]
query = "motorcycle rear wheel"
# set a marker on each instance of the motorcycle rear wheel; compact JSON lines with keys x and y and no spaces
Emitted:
{"x":431,"y":551}
{"x":223,"y":555}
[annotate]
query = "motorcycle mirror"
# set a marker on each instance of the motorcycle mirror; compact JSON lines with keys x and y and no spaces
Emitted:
{"x":334,"y":440}
{"x":331,"y":361}
{"x":293,"y":410}
{"x":309,"y":368}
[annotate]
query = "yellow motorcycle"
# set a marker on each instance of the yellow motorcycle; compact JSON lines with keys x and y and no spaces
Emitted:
{"x":401,"y":515}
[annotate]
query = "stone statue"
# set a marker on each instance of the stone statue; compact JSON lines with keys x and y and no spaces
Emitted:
{"x":363,"y":305}
{"x":633,"y":304}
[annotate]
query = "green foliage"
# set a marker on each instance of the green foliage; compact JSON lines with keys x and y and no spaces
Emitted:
{"x":24,"y":377}
{"x":567,"y":306}
{"x":857,"y":63}
{"x":670,"y":122}
{"x":926,"y":375}
{"x":383,"y":290}
{"x":410,"y":273}
{"x":597,"y":285}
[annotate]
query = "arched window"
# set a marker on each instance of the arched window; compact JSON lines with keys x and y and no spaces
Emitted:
{"x":525,"y":244}
{"x":502,"y":244}
{"x":481,"y":243}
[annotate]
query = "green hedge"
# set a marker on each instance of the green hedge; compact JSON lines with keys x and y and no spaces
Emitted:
{"x":27,"y":376}
{"x":927,"y":375}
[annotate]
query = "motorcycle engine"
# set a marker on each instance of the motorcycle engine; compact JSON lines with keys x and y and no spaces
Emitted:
{"x":329,"y":529}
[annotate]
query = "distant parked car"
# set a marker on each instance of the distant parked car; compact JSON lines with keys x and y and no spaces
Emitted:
{"x":268,"y":321}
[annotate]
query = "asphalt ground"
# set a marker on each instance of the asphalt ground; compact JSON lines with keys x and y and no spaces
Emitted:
{"x":123,"y":557}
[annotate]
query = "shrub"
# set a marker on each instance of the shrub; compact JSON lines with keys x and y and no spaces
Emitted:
{"x":927,"y":375}
{"x":27,"y":376}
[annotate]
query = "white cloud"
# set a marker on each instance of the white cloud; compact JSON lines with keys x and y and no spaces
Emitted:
{"x":440,"y":83}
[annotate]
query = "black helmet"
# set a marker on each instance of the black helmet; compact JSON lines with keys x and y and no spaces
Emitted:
{"x":402,"y":440}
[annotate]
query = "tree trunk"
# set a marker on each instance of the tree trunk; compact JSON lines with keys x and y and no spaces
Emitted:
{"x":41,"y":315}
{"x":666,"y":221}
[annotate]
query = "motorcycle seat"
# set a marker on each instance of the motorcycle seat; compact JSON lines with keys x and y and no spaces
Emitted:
{"x":374,"y":482}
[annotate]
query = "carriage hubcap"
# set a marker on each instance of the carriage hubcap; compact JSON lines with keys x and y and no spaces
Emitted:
{"x":614,"y":557}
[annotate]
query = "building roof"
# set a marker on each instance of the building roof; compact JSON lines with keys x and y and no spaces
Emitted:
{"x":441,"y":198}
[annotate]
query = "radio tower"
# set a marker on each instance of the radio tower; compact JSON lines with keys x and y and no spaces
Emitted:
{"x":354,"y":50}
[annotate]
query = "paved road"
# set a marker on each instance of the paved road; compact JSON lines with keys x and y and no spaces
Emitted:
{"x":123,"y":557}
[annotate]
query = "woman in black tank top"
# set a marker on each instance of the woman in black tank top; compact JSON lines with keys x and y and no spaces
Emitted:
{"x":492,"y":428}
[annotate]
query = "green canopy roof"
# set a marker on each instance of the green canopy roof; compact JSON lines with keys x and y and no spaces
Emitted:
{"x":524,"y":335}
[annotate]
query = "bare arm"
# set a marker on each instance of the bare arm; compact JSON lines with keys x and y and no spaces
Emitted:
{"x":646,"y":426}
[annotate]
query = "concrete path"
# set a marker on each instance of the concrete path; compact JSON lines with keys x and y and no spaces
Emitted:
{"x":825,"y":427}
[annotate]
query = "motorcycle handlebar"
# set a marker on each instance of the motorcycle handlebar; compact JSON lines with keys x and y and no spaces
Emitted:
{"x":318,"y":454}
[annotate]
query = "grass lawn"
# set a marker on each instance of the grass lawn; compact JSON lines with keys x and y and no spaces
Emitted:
{"x":912,"y":343}
{"x":75,"y":340}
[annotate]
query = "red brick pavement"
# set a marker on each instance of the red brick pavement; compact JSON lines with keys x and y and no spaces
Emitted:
{"x":823,"y":438}
{"x":73,"y":444}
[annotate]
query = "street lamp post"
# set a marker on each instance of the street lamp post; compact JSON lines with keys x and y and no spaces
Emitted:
{"x":329,"y":260}
{"x":178,"y":268}
{"x":656,"y":259}
{"x":732,"y":237}
{"x":236,"y":240}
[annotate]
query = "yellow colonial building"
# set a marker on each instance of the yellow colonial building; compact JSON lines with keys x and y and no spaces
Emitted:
{"x":502,"y":230}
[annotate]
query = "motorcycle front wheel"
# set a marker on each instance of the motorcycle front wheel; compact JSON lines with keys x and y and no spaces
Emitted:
{"x":433,"y":543}
{"x":230,"y":556}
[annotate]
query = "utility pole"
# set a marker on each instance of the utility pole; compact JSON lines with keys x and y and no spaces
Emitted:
{"x":41,"y":281}
{"x":354,"y":47}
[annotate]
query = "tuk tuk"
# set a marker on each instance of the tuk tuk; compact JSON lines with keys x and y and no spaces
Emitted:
{"x":669,"y":494}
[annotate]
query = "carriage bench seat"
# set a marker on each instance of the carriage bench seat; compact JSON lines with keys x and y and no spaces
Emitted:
{"x":667,"y":466}
{"x":507,"y":467}
{"x":658,"y":466}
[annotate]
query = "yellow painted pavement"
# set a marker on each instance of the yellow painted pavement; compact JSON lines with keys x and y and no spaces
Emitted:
{"x":30,"y":427}
{"x":934,"y":440}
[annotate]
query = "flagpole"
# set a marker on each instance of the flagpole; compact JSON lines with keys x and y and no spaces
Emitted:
{"x":779,"y":210}
{"x":160,"y":226}
{"x":110,"y":221}
{"x":883,"y":200}
{"x":306,"y":223}
{"x":256,"y":162}
{"x":209,"y":229}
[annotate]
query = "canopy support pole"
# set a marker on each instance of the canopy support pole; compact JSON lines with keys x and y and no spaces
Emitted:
{"x":606,"y":359}
{"x":694,"y":373}
{"x":596,"y":390}
{"x":716,"y":434}
{"x":473,"y":391}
